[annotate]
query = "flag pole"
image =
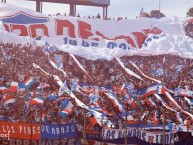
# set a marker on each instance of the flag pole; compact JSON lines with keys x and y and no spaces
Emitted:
{"x":159,"y":8}
{"x":164,"y":125}
{"x":126,"y":125}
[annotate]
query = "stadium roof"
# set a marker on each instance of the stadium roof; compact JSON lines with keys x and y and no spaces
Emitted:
{"x":99,"y":3}
{"x":96,"y":3}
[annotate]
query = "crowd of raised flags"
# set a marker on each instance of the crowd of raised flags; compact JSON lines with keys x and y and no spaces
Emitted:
{"x":77,"y":95}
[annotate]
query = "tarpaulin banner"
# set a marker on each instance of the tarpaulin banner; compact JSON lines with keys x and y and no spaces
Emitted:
{"x":20,"y":130}
{"x":151,"y":137}
{"x":58,"y":131}
{"x":32,"y":131}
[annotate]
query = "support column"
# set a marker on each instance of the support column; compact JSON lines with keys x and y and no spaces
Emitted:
{"x":38,"y":5}
{"x":103,"y":12}
{"x":106,"y":12}
{"x":41,"y":7}
{"x":75,"y":10}
{"x":72,"y":10}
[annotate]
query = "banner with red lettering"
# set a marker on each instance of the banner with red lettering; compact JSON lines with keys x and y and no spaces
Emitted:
{"x":95,"y":38}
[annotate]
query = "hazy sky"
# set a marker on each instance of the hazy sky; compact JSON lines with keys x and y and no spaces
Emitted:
{"x":124,"y":8}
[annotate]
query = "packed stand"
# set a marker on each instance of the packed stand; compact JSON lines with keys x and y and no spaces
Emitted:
{"x":174,"y":72}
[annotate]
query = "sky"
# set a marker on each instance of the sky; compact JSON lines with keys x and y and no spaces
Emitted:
{"x":118,"y":8}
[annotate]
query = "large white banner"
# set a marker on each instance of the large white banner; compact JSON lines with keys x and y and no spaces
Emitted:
{"x":96,"y":38}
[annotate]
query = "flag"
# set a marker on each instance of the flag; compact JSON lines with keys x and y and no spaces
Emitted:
{"x":95,"y":106}
{"x":128,"y":98}
{"x":43,"y":85}
{"x":34,"y":43}
{"x":80,"y":66}
{"x":115,"y":102}
{"x":53,"y":96}
{"x":67,"y":108}
{"x":29,"y":96}
{"x":150,"y":101}
{"x":58,"y":61}
{"x":179,"y":118}
{"x":130,"y":86}
{"x":190,"y":102}
{"x":134,"y":65}
{"x":130,"y":119}
{"x":141,"y":14}
{"x":179,"y":68}
{"x":7,"y":99}
{"x":155,"y":119}
{"x":1,"y":78}
{"x":14,"y":86}
{"x":75,"y":86}
{"x":128,"y":71}
{"x":52,"y":48}
{"x":4,"y":89}
{"x":36,"y":101}
{"x":159,"y":72}
{"x":93,"y":98}
{"x":5,"y":55}
{"x":46,"y":48}
{"x":28,"y":82}
{"x":62,"y":89}
{"x":93,"y":120}
{"x":144,"y":114}
{"x":163,"y":102}
{"x":171,"y":127}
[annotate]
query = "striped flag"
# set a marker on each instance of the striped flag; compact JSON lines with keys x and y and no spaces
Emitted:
{"x":14,"y":86}
{"x":67,"y":108}
{"x":7,"y":99}
{"x":36,"y":101}
{"x":80,"y":66}
{"x":155,"y":119}
{"x":179,"y":118}
{"x":130,"y":119}
{"x":128,"y":71}
{"x":28,"y":82}
{"x":128,"y":98}
{"x":115,"y":102}
{"x":150,"y":101}
{"x":4,"y":89}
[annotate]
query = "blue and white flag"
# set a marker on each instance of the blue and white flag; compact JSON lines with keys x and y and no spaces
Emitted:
{"x":67,"y":108}
{"x":52,"y":48}
{"x":179,"y":68}
{"x":5,"y":55}
{"x":74,"y":86}
{"x":62,"y":89}
{"x":53,"y":96}
{"x":58,"y":61}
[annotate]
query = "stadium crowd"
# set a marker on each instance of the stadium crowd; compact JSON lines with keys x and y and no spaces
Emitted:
{"x":17,"y":65}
